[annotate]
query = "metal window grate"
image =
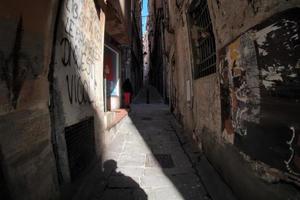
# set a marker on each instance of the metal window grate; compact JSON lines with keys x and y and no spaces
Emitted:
{"x":80,"y":146}
{"x":204,"y":48}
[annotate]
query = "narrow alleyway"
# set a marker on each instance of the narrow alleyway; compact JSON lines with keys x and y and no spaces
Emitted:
{"x":145,"y":160}
{"x":215,"y":113}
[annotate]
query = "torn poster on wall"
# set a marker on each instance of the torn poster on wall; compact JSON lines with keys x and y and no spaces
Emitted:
{"x":260,"y":92}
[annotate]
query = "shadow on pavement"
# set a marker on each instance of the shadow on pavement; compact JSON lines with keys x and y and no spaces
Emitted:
{"x":120,"y":186}
{"x":109,"y":184}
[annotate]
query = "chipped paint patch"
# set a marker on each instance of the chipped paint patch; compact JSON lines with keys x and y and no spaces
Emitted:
{"x":261,"y":36}
{"x":268,"y":84}
{"x":270,"y":77}
{"x":283,"y":68}
{"x":292,"y":75}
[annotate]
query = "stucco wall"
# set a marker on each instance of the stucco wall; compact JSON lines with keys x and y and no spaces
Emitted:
{"x":77,"y":91}
{"x":26,"y":34}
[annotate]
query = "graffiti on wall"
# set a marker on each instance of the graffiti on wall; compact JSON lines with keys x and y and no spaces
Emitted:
{"x":260,"y":91}
{"x":80,"y":51}
{"x":75,"y":86}
{"x":16,"y":66}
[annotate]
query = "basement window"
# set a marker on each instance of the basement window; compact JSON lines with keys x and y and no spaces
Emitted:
{"x":80,"y":146}
{"x":202,"y":39}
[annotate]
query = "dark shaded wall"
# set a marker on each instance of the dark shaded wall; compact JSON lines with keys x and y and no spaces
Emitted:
{"x":136,"y":47}
{"x":51,"y":99}
{"x":27,"y":159}
{"x":156,"y":72}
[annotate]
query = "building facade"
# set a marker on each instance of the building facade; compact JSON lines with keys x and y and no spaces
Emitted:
{"x":231,"y":77}
{"x":137,"y":47}
{"x":61,"y":70}
{"x":146,"y":57}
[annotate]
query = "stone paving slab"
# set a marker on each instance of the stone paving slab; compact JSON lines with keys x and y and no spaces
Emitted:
{"x":118,"y":181}
{"x":167,"y":193}
{"x":117,"y":194}
{"x":156,"y":181}
{"x":136,"y":148}
{"x":130,"y":160}
{"x":132,"y":171}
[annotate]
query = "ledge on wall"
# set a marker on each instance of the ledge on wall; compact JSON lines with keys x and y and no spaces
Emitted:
{"x":113,"y":121}
{"x":112,"y":118}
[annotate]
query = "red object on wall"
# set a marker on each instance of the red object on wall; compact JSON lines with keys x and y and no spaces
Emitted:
{"x":108,"y":68}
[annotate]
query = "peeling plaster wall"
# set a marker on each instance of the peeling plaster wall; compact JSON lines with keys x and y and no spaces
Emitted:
{"x":27,"y":158}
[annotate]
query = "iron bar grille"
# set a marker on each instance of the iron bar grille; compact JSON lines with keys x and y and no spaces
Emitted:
{"x":204,"y":48}
{"x":80,"y":142}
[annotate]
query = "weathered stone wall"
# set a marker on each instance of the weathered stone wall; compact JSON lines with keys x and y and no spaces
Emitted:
{"x":195,"y":102}
{"x":176,"y":56}
{"x":29,"y":67}
{"x":28,"y":163}
{"x":265,"y":69}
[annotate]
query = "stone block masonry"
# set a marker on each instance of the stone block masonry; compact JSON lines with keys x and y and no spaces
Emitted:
{"x":27,"y":159}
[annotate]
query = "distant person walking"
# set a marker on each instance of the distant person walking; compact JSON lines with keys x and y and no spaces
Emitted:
{"x":128,"y":92}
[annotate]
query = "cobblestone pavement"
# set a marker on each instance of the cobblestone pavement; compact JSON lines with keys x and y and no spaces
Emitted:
{"x":145,"y":160}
